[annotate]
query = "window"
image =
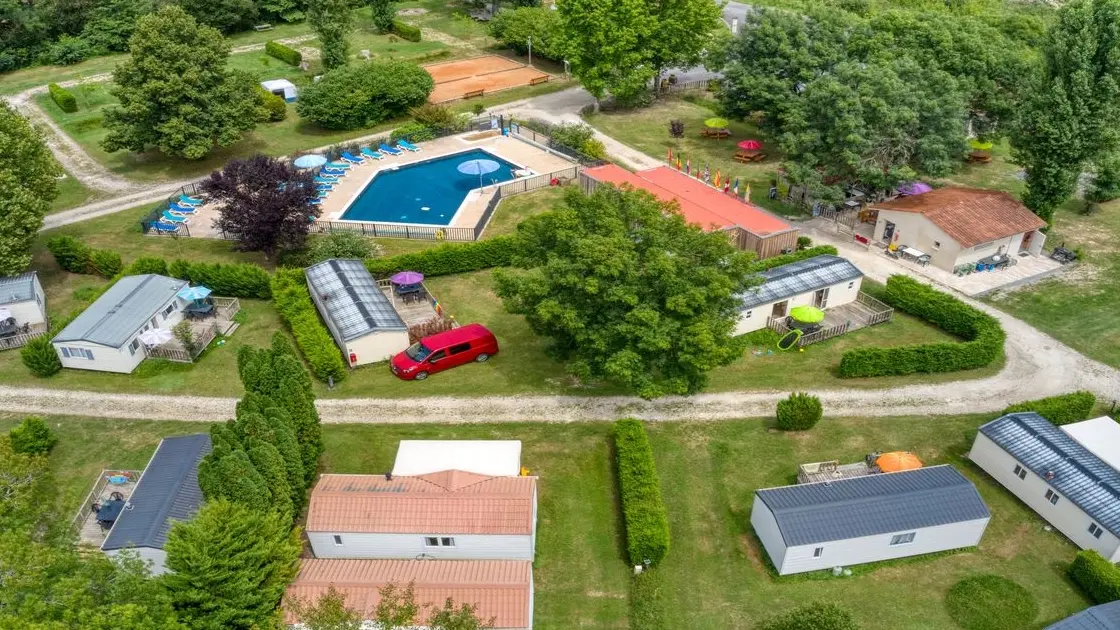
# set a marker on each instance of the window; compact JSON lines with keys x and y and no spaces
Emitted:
{"x":447,"y":542}
{"x":851,"y":284}
{"x":747,"y":315}
{"x":456,"y":349}
{"x":337,"y":540}
{"x":818,"y":551}
{"x":134,"y":346}
{"x":154,"y":324}
{"x":937,"y":245}
{"x":77,"y":353}
{"x":437,"y":356}
{"x":1095,"y":530}
{"x":903,"y":539}
{"x":1020,"y":472}
{"x":1052,"y":497}
{"x":431,"y":541}
{"x":435,"y":541}
{"x":167,"y":311}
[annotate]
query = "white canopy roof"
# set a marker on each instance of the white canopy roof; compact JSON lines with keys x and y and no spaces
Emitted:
{"x":496,"y":458}
{"x":1101,"y":436}
{"x":277,"y":84}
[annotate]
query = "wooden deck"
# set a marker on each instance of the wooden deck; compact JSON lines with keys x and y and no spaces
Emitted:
{"x":205,"y":331}
{"x":85,"y":522}
{"x":863,"y":312}
{"x":831,"y":471}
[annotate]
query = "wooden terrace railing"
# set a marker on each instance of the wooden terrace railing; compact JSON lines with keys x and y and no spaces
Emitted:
{"x":95,"y":492}
{"x":20,"y":340}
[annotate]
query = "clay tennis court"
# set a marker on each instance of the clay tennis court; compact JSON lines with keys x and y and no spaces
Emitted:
{"x":478,"y":76}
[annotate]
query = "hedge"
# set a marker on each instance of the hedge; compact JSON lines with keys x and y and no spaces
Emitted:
{"x":293,"y":301}
{"x":63,"y":98}
{"x":814,"y":616}
{"x":1062,"y":409}
{"x":785,"y":259}
{"x":406,"y":31}
{"x":283,"y":53}
{"x":647,"y":525}
{"x":799,"y":412}
{"x":77,"y":257}
{"x":241,"y":280}
{"x":1099,"y":578}
{"x":448,"y":258}
{"x":982,"y":333}
{"x":275,"y":106}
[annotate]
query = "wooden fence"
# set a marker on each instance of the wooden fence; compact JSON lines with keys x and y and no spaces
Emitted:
{"x":882,"y":311}
{"x":21,"y":339}
{"x":179,"y":354}
{"x":779,"y":326}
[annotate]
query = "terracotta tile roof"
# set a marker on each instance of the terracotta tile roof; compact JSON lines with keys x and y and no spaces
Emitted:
{"x":970,"y":216}
{"x":448,"y":502}
{"x":500,"y":588}
{"x":699,"y":203}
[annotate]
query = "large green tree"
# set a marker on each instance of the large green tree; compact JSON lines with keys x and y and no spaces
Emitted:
{"x":332,"y":21}
{"x":175,"y":91}
{"x":225,"y":15}
{"x":382,"y":12}
{"x":514,"y":28}
{"x":229,"y":566}
{"x":28,"y":174}
{"x":1070,"y":117}
{"x":364,"y":94}
{"x":329,"y":612}
{"x":624,"y":289}
{"x":618,"y":46}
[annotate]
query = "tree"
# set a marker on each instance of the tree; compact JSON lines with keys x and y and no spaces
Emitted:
{"x":332,"y":21}
{"x":230,"y":475}
{"x":1068,"y":120}
{"x":1106,"y":182}
{"x":112,"y":22}
{"x":40,"y":358}
{"x":225,"y":15}
{"x":383,"y":13}
{"x":229,"y":566}
{"x":328,"y":613}
{"x":545,"y":26}
{"x":265,"y":203}
{"x":342,"y":245}
{"x":32,"y":437}
{"x":176,"y":92}
{"x":26,"y":491}
{"x":28,"y":173}
{"x":364,"y":95}
{"x":398,"y":610}
{"x":626,"y":290}
{"x":461,"y":617}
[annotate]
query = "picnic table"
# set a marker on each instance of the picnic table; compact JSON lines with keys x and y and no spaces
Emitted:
{"x":109,"y":511}
{"x":918,"y":255}
{"x":199,"y":309}
{"x":995,"y":261}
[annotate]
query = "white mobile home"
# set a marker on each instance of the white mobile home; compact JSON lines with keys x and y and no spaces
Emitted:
{"x":22,"y":300}
{"x":167,"y":492}
{"x":828,"y":524}
{"x":283,"y":88}
{"x":105,"y":336}
{"x":1056,"y":476}
{"x":449,"y":515}
{"x":822,"y":281}
{"x":492,"y":458}
{"x":360,"y":317}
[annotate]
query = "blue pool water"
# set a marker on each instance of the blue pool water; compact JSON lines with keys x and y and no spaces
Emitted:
{"x":427,"y":192}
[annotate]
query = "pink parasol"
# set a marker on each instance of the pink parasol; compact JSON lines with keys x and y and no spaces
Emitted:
{"x":750,"y":145}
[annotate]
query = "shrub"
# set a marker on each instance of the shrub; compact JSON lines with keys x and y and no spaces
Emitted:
{"x":676,"y":128}
{"x":341,"y":245}
{"x":514,"y":28}
{"x":62,"y":97}
{"x":413,"y":132}
{"x":799,"y":412}
{"x":448,"y":258}
{"x":434,"y":116}
{"x":647,"y":525}
{"x":572,"y":135}
{"x":803,"y":243}
{"x":785,"y":259}
{"x":366,"y":94}
{"x":477,"y":109}
{"x":32,"y":437}
{"x":815,"y":616}
{"x":70,"y":253}
{"x":595,"y":149}
{"x":647,"y":601}
{"x":1062,"y":409}
{"x":274,"y":106}
{"x":147,"y":264}
{"x":1099,"y":578}
{"x":39,"y":357}
{"x":1106,"y":183}
{"x":406,"y":31}
{"x":292,"y":299}
{"x":241,"y":280}
{"x":982,"y":333}
{"x":288,"y":55}
{"x":990,"y":602}
{"x":105,"y":262}
{"x":69,"y":50}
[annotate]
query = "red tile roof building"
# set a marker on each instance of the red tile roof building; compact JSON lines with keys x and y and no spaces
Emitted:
{"x":970,"y":216}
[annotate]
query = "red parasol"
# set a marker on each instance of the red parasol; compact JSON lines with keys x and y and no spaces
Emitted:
{"x":750,"y":145}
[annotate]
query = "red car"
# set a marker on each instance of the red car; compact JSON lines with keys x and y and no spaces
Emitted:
{"x":443,"y":351}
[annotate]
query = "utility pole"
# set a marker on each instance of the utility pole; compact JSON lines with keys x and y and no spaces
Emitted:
{"x":530,"y":50}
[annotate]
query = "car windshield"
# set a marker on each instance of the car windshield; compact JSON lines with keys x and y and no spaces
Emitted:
{"x":418,"y":352}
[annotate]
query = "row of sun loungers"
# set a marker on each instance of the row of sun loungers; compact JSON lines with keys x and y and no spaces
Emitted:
{"x":331,"y":172}
{"x":177,"y":213}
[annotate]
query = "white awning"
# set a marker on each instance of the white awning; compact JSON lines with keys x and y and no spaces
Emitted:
{"x":1101,"y":436}
{"x":495,"y":458}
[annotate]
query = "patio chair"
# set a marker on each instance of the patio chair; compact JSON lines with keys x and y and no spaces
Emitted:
{"x":388,"y":150}
{"x":332,"y":172}
{"x":180,"y":209}
{"x":189,"y":201}
{"x":173,"y":218}
{"x":324,"y":188}
{"x":339,"y":165}
{"x":326,"y":180}
{"x":370,"y":153}
{"x":407,"y":146}
{"x":351,"y":158}
{"x":165,"y":228}
{"x":315,"y":202}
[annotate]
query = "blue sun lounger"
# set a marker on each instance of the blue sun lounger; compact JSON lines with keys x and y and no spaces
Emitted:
{"x":338,"y":165}
{"x":179,"y":209}
{"x":190,"y":201}
{"x":165,"y":228}
{"x":325,"y":180}
{"x":316,"y":201}
{"x":368,"y":152}
{"x":408,"y":146}
{"x":351,"y":158}
{"x":173,"y":218}
{"x":323,"y":188}
{"x":388,"y":150}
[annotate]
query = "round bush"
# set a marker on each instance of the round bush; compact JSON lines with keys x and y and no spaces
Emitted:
{"x":32,"y":437}
{"x":799,"y":412}
{"x":990,"y":602}
{"x":39,"y":357}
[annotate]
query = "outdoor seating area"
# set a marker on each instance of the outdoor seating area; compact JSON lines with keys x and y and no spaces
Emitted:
{"x":103,"y":505}
{"x":208,"y":318}
{"x":837,"y":320}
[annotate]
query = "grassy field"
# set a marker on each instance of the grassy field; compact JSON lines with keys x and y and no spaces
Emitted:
{"x":71,"y":193}
{"x":715,"y":575}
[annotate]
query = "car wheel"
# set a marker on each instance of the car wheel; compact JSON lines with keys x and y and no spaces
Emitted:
{"x":421,"y":376}
{"x":482,"y":357}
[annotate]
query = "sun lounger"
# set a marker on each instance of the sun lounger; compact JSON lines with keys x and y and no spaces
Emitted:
{"x":173,"y":218}
{"x":322,"y":194}
{"x":388,"y":150}
{"x":351,"y":158}
{"x":368,"y":152}
{"x":180,"y":209}
{"x":190,"y":201}
{"x":338,"y":165}
{"x":316,"y":201}
{"x":407,"y":146}
{"x":324,"y":188}
{"x":326,"y":180}
{"x":165,"y":228}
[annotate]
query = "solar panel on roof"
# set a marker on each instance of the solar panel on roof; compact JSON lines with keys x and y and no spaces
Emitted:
{"x":349,"y":297}
{"x":800,"y":277}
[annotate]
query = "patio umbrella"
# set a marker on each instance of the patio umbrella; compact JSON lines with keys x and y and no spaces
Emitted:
{"x":716,"y":123}
{"x":197,"y":292}
{"x":310,"y":161}
{"x":750,"y":145}
{"x":407,"y":277}
{"x":980,"y":145}
{"x":806,"y":314}
{"x":898,"y":460}
{"x":478,"y":167}
{"x":915,"y":188}
{"x":155,"y":336}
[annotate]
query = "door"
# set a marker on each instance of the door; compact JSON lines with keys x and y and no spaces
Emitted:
{"x":888,"y":232}
{"x":820,"y":299}
{"x":779,"y":310}
{"x":459,"y":354}
{"x":437,"y":362}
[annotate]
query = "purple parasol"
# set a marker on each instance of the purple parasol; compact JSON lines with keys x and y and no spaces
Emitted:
{"x":915,"y":188}
{"x":407,"y":277}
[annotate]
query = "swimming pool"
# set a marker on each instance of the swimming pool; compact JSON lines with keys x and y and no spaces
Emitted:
{"x":425,"y":193}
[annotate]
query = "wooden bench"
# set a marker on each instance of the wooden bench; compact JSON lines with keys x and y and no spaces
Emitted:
{"x":473,"y":93}
{"x":749,"y":156}
{"x":539,"y":80}
{"x":979,"y":157}
{"x":262,"y":27}
{"x":716,"y":133}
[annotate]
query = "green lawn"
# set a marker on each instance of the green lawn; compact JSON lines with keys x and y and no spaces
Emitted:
{"x":715,"y":575}
{"x":447,"y":18}
{"x":71,"y":193}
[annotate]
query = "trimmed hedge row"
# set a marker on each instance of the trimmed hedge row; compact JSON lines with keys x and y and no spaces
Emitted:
{"x":62,"y":97}
{"x":983,"y":336}
{"x":448,"y":258}
{"x":785,"y":259}
{"x":293,"y":301}
{"x":1099,"y":578}
{"x":242,"y":280}
{"x":647,"y":525}
{"x":77,"y":257}
{"x":406,"y":31}
{"x":284,"y":53}
{"x":1062,"y":409}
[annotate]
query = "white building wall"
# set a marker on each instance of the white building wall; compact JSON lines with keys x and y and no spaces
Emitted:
{"x":376,"y":346}
{"x":1065,"y":516}
{"x":838,"y":294}
{"x":945,"y":253}
{"x":411,"y":546}
{"x":105,"y":359}
{"x":157,"y":557}
{"x":27,"y":312}
{"x":766,"y":528}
